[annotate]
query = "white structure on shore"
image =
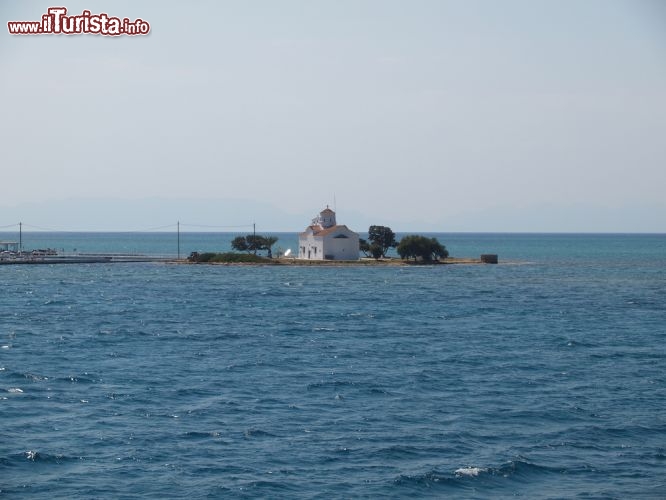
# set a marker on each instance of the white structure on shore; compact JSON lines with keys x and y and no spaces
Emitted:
{"x":325,"y":239}
{"x":9,"y":246}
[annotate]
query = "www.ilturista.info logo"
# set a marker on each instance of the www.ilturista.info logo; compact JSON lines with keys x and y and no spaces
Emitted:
{"x":56,"y":21}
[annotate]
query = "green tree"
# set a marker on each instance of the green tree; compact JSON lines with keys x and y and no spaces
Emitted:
{"x":438,"y":250}
{"x":383,"y":238}
{"x":419,"y":247}
{"x":376,"y":251}
{"x":240,"y":243}
{"x":370,"y":249}
{"x":364,"y":247}
{"x":253,"y":243}
{"x":268,"y":243}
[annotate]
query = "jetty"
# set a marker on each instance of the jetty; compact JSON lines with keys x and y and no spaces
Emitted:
{"x":51,"y":257}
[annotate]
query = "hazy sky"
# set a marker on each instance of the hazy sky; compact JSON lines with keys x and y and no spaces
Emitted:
{"x":418,"y":114}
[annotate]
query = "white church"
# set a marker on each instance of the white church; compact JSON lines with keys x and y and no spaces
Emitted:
{"x":325,"y":239}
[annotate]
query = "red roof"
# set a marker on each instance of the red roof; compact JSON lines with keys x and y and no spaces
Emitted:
{"x":323,"y":232}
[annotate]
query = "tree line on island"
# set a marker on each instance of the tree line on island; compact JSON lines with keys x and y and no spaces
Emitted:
{"x":414,"y":246}
{"x":253,"y":243}
{"x":380,"y":240}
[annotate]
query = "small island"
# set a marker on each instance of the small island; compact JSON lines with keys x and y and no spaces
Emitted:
{"x":325,"y":242}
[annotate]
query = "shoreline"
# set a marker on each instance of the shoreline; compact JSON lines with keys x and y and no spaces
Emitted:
{"x":394,"y":262}
{"x":281,"y":261}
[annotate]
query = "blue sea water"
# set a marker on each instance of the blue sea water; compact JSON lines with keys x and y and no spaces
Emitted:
{"x":541,"y":377}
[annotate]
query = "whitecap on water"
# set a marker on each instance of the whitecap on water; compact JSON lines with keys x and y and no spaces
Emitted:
{"x":14,"y":390}
{"x":469,"y":471}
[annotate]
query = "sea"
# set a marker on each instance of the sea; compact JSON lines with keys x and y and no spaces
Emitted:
{"x":541,"y":377}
